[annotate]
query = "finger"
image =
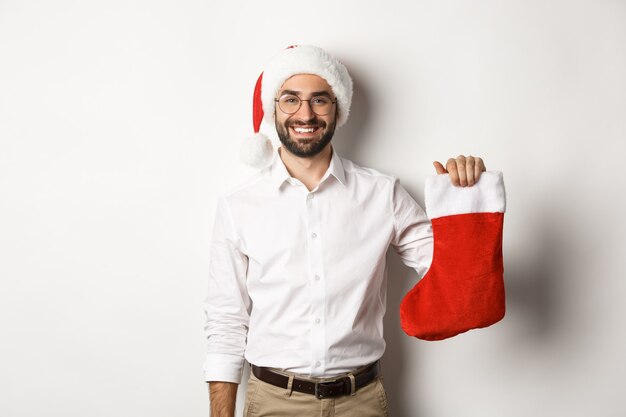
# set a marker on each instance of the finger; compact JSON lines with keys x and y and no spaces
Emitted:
{"x":481,"y":164}
{"x":452,"y":170}
{"x":479,"y":168}
{"x":439,"y":168}
{"x":469,"y":170}
{"x":460,"y":164}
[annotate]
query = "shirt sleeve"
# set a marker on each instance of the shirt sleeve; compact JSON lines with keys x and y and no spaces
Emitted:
{"x":412,"y":233}
{"x":227,"y":304}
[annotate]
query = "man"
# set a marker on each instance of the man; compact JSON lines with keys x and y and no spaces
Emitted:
{"x":297,"y":273}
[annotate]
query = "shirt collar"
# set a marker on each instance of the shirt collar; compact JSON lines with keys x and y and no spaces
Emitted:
{"x":279,"y":173}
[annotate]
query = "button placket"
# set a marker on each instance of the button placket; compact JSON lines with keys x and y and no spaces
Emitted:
{"x":318,"y":293}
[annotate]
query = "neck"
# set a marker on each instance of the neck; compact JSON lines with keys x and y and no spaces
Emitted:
{"x":308,"y":171}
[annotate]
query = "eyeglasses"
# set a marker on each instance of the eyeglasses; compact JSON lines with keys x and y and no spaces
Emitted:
{"x":320,"y":105}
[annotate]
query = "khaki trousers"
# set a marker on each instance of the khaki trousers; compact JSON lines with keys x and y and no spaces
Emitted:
{"x":267,"y":400}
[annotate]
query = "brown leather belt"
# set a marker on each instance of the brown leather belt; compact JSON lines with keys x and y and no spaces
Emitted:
{"x":327,"y":389}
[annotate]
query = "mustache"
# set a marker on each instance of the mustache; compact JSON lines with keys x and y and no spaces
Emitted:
{"x":313,"y":123}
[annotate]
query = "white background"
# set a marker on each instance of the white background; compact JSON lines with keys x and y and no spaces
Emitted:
{"x":120,"y":125}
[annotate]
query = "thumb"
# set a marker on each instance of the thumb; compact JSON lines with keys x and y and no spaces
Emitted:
{"x":440,"y":169}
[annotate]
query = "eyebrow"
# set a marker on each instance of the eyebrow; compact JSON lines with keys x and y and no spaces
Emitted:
{"x":313,"y":94}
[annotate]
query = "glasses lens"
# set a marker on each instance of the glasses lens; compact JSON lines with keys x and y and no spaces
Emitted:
{"x":289,"y":104}
{"x":321,"y":105}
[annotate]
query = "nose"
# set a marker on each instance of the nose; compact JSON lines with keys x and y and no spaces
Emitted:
{"x":305,"y":111}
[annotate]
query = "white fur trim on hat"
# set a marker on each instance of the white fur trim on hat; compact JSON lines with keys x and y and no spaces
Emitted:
{"x":307,"y":59}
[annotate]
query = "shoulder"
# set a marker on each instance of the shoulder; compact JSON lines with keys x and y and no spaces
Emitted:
{"x":363,"y":174}
{"x":248,"y":190}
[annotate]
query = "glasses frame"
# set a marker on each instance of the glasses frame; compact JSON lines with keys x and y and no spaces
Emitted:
{"x":277,"y":100}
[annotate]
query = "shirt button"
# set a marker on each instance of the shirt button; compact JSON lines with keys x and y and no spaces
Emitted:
{"x":317,"y":364}
{"x":310,"y":196}
{"x":314,"y":235}
{"x":317,"y":321}
{"x":317,"y":277}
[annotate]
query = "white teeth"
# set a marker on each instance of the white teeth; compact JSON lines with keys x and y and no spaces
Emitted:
{"x":301,"y":130}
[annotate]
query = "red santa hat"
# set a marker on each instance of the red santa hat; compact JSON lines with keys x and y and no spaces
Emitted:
{"x":257,"y":150}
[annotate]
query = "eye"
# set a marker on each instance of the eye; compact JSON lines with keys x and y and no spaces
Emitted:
{"x":289,"y":99}
{"x":320,"y":101}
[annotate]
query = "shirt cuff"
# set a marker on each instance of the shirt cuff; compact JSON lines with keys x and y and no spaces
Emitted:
{"x":223,"y":368}
{"x":442,"y":198}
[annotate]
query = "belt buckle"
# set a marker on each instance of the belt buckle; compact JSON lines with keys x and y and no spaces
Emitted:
{"x":318,"y":394}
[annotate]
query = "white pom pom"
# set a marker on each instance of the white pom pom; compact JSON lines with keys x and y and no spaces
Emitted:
{"x":257,"y":151}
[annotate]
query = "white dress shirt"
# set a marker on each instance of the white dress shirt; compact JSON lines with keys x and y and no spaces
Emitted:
{"x":297,"y":279}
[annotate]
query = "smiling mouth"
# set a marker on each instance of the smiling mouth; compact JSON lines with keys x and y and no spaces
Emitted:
{"x":304,"y":131}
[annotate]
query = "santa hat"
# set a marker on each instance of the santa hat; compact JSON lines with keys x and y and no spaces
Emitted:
{"x":257,"y":150}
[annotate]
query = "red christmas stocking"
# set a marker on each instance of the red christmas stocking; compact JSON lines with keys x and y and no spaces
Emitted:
{"x":464,"y":287}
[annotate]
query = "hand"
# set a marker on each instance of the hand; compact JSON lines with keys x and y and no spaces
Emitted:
{"x":464,"y":171}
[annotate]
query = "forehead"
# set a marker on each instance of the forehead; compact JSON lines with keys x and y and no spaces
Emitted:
{"x":305,"y":83}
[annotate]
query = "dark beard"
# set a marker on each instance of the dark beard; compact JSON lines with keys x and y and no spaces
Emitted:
{"x":305,"y":149}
